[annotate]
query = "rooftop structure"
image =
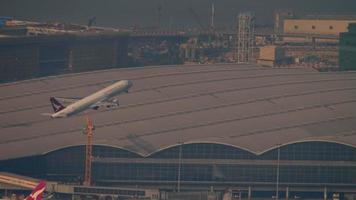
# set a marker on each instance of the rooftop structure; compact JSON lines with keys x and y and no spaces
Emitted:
{"x":222,"y":124}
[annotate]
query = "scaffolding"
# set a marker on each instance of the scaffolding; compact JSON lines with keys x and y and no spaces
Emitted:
{"x":245,"y":38}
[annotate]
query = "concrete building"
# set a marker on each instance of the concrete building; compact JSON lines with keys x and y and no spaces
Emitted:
{"x":204,"y":128}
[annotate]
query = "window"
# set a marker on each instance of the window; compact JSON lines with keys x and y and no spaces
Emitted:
{"x":331,"y":27}
{"x":296,"y":27}
{"x":313,"y":27}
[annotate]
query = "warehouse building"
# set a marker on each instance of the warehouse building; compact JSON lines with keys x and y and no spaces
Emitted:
{"x":287,"y":22}
{"x":242,"y":128}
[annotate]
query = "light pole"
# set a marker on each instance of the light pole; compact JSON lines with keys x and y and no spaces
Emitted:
{"x":277,"y":181}
{"x":179,"y":166}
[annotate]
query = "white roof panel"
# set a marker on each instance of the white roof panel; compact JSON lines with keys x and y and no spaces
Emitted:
{"x":246,"y":106}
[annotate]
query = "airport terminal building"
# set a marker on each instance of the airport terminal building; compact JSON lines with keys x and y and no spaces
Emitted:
{"x":244,"y":128}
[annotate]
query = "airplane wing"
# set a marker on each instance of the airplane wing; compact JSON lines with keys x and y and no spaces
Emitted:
{"x":110,"y":103}
{"x":107,"y":103}
{"x":67,"y":100}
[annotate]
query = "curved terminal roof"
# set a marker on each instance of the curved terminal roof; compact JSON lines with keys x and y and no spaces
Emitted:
{"x":246,"y":106}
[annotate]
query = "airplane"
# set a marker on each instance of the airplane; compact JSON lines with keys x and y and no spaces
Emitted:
{"x":37,"y":193}
{"x":98,"y":99}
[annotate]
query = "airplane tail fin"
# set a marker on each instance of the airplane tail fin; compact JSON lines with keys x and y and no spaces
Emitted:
{"x":56,"y":105}
{"x":37,"y":193}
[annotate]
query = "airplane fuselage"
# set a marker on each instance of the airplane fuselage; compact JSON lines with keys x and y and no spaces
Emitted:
{"x":99,"y":96}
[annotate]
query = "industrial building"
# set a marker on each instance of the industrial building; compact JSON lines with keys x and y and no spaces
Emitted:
{"x":312,"y":29}
{"x":311,"y":40}
{"x":316,"y":26}
{"x":287,"y":22}
{"x":31,"y":49}
{"x":241,"y":128}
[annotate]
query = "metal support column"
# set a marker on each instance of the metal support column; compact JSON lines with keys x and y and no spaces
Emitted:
{"x":249,"y":192}
{"x":277,"y":173}
{"x":287,"y":193}
{"x":179,"y":167}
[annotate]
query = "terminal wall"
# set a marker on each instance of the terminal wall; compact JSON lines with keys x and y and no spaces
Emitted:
{"x":202,"y":165}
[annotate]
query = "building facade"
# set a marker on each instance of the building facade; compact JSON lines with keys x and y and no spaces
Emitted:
{"x":303,"y":168}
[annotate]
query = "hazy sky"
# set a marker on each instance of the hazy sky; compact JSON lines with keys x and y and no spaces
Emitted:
{"x":118,"y":13}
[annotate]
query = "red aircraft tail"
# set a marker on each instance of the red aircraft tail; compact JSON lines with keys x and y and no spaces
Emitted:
{"x":36,"y":194}
{"x":56,"y":105}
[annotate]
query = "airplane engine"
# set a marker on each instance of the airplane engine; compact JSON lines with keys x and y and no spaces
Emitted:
{"x":95,"y":107}
{"x":112,"y":106}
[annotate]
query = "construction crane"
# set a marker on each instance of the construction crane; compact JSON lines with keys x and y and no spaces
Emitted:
{"x":88,"y":151}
